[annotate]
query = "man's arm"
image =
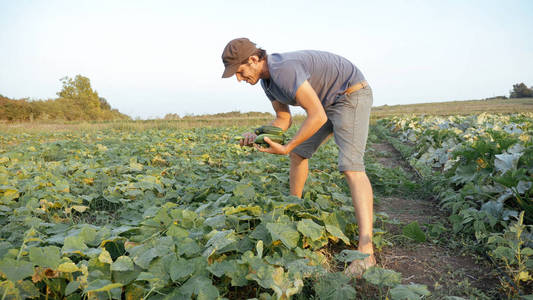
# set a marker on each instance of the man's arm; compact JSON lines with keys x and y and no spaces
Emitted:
{"x":316,"y":117}
{"x":283,"y":120}
{"x":283,"y":115}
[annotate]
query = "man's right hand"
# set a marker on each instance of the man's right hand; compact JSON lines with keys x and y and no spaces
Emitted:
{"x":248,"y":139}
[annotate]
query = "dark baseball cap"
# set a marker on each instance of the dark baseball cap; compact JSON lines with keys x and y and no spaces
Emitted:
{"x":235,"y":53}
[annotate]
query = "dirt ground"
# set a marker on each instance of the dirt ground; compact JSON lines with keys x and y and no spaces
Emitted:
{"x":445,"y":271}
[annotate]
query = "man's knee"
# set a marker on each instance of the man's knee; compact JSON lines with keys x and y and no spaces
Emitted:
{"x":354,"y":174}
{"x":296,"y":158}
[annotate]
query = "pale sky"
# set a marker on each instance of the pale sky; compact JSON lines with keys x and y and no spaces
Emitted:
{"x":149,"y":58}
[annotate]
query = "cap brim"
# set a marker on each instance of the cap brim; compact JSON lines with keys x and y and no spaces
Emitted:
{"x":230,"y":70}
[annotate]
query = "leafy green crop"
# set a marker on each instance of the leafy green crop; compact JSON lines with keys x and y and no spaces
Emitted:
{"x":166,"y":214}
{"x":486,"y":158}
{"x":483,"y":173}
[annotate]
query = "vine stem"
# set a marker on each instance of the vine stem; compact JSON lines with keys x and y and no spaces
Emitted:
{"x":149,"y":292}
{"x":5,"y":294}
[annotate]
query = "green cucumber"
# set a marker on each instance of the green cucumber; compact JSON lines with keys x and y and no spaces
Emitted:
{"x":268,"y":129}
{"x":260,"y":139}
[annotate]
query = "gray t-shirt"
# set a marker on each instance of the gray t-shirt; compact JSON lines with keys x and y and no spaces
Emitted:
{"x":329,"y":75}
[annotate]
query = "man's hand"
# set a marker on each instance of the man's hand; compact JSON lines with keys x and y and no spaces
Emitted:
{"x":274,"y":148}
{"x":248,"y":139}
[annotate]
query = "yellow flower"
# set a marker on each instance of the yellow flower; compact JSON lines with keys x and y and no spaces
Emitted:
{"x":481,"y":163}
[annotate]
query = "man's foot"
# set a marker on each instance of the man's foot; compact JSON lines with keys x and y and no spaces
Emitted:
{"x":358,"y":267}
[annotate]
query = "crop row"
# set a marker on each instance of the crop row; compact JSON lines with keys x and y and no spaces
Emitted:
{"x":482,"y":168}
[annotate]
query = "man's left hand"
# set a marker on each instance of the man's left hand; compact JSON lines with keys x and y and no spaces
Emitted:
{"x":274,"y":148}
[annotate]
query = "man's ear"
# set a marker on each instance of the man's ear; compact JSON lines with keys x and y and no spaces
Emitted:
{"x":253,"y":59}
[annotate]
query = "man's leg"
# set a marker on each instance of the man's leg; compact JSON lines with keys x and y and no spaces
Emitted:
{"x":362,"y":199}
{"x":300,"y":164}
{"x":298,"y":174}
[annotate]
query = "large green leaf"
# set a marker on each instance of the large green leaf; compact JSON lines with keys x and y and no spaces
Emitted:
{"x":72,"y":287}
{"x":46,"y":257}
{"x":144,"y":257}
{"x":224,"y":267}
{"x":286,"y":233}
{"x":219,"y":240}
{"x":333,"y":286}
{"x":200,"y":286}
{"x":89,"y":236}
{"x":261,"y":233}
{"x":382,"y":277}
{"x":180,"y":269}
{"x":188,"y":247}
{"x":350,"y":255}
{"x":27,"y":289}
{"x":216,"y":222}
{"x":238,"y":277}
{"x":310,"y":229}
{"x":504,"y":253}
{"x":505,"y":162}
{"x":126,"y":277}
{"x":16,"y":270}
{"x":465,"y":173}
{"x":4,"y":248}
{"x":160,"y":267}
{"x":122,"y":263}
{"x":413,"y":231}
{"x":304,"y":267}
{"x":262,"y":274}
{"x":177,"y":231}
{"x":245,"y":191}
{"x":74,"y":244}
{"x":409,"y":292}
{"x":337,"y":233}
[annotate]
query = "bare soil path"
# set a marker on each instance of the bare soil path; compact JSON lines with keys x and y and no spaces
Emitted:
{"x":446,"y":271}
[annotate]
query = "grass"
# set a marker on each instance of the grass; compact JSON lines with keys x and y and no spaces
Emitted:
{"x":32,"y":127}
{"x":439,"y":108}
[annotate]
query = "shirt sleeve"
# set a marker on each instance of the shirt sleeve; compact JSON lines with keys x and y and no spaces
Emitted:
{"x":290,"y":77}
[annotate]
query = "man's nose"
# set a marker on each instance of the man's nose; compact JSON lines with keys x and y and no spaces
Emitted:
{"x":238,"y":77}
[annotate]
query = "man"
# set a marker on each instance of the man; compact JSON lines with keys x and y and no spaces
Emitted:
{"x":337,"y":100}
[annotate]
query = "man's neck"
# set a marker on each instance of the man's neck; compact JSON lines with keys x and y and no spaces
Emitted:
{"x":265,"y":74}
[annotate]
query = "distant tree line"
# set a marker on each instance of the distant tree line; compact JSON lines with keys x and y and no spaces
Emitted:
{"x":520,"y":90}
{"x":77,"y":101}
{"x":231,"y":114}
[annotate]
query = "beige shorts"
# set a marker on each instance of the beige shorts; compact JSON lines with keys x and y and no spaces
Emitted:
{"x":348,"y":120}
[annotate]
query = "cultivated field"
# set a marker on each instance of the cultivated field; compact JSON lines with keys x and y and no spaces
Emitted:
{"x":176,"y":210}
{"x":456,"y":107}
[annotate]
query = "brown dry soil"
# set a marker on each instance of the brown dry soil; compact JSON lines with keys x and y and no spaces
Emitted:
{"x":445,"y":271}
